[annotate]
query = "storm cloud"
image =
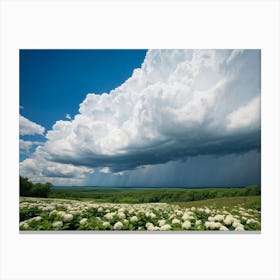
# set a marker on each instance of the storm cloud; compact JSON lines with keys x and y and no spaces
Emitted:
{"x":180,"y":104}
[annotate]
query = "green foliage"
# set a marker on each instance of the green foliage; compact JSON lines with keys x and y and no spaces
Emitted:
{"x":27,"y":188}
{"x":253,"y":202}
{"x":153,"y":195}
{"x":27,"y":213}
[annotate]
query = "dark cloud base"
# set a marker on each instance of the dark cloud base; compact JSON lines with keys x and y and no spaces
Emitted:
{"x":166,"y":152}
{"x":202,"y":171}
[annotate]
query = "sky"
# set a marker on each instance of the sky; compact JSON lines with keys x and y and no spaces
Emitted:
{"x":151,"y":118}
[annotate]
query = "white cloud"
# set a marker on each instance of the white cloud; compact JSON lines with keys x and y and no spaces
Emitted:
{"x":25,"y":146}
{"x":27,"y":127}
{"x":247,"y":116}
{"x":68,"y":116}
{"x":233,"y":55}
{"x":105,"y":170}
{"x":180,"y":103}
{"x":38,"y":169}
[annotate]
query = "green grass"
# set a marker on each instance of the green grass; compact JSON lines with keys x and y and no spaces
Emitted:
{"x":253,"y":202}
{"x":153,"y":195}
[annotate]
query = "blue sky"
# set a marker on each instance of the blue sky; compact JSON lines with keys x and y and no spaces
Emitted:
{"x":140,"y":118}
{"x":54,"y":82}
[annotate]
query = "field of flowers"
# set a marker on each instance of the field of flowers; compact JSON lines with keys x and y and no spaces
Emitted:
{"x":55,"y":214}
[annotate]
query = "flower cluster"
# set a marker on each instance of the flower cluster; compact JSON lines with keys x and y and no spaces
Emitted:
{"x":55,"y":214}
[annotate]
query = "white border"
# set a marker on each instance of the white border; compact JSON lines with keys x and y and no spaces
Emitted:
{"x":156,"y":24}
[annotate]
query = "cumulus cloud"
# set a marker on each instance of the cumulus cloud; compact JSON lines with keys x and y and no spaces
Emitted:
{"x":247,"y":116}
{"x":38,"y":169}
{"x":27,"y":127}
{"x":179,"y":104}
{"x":68,"y":116}
{"x":26,"y":146}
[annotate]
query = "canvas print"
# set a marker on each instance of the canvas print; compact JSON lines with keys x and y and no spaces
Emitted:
{"x":164,"y":140}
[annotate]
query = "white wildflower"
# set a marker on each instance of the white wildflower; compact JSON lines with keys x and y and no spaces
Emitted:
{"x":228,"y":220}
{"x":118,"y":225}
{"x":186,"y":216}
{"x":218,"y":218}
{"x":48,"y":208}
{"x":212,"y":225}
{"x":186,"y":225}
{"x":149,"y":225}
{"x":134,"y":219}
{"x":57,"y":224}
{"x":161,"y":222}
{"x":175,"y":221}
{"x":121,"y":215}
{"x":239,"y":227}
{"x":236,"y":223}
{"x":83,"y":221}
{"x":23,"y":224}
{"x":171,"y":216}
{"x":207,"y":211}
{"x":109,"y":216}
{"x":67,"y":217}
{"x":223,"y":228}
{"x":250,"y":221}
{"x":53,"y":212}
{"x":152,"y":215}
{"x":61,"y":214}
{"x":106,"y":224}
{"x":155,"y":228}
{"x":165,"y":227}
{"x":217,"y":225}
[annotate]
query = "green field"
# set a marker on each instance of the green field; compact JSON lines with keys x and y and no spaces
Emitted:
{"x":253,"y":202}
{"x":168,"y":195}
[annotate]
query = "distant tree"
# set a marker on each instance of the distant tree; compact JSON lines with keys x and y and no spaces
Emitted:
{"x":27,"y":188}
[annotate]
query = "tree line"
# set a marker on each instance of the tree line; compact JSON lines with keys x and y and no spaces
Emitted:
{"x":27,"y":188}
{"x":153,"y":195}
